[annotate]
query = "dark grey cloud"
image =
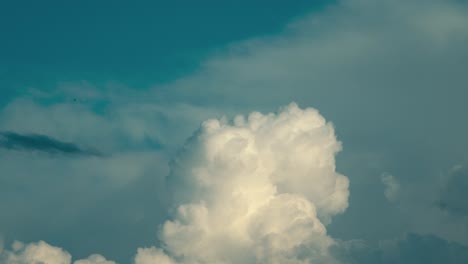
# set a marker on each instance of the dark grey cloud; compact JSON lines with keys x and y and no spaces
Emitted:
{"x":42,"y":143}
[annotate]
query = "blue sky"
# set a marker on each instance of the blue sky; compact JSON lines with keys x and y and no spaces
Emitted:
{"x":119,"y":135}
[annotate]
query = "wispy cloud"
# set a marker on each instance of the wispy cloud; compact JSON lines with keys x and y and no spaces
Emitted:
{"x":42,"y":143}
{"x":392,"y":187}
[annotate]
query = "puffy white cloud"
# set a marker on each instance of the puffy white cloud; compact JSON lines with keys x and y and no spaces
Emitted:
{"x":259,"y":189}
{"x":43,"y":253}
{"x":94,"y":259}
{"x":152,"y":255}
{"x":35,"y":253}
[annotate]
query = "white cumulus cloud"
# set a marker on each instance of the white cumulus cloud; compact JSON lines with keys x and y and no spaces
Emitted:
{"x":94,"y":259}
{"x":43,"y":253}
{"x":260,"y":189}
{"x":35,"y":253}
{"x":152,"y":255}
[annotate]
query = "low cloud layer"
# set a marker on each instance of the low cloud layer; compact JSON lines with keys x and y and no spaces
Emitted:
{"x":42,"y":143}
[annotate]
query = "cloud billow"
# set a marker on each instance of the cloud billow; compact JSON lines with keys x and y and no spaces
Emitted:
{"x":258,"y":190}
{"x":41,"y":252}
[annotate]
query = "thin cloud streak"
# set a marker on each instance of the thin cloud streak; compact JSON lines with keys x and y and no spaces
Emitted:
{"x":37,"y":142}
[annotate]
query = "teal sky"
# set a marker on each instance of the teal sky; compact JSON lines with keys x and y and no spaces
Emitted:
{"x":136,"y":43}
{"x":102,"y":124}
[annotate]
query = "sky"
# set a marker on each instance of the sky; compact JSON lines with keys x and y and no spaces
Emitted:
{"x":247,"y":132}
